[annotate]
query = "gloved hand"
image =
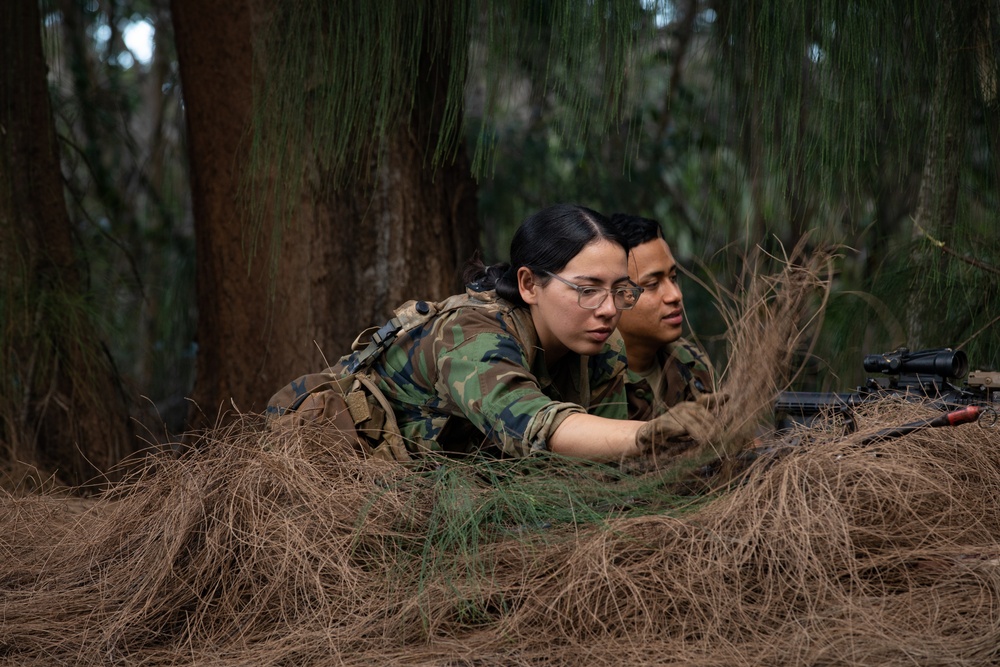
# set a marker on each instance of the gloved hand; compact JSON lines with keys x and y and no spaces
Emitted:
{"x":712,"y":401}
{"x":682,"y":427}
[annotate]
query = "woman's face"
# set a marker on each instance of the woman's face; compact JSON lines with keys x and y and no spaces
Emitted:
{"x":562,"y":324}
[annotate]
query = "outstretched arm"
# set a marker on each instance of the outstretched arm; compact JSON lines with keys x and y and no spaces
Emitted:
{"x":588,"y":436}
{"x":595,"y":438}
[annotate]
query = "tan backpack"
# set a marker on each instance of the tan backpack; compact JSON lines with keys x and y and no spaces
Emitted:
{"x":351,"y":403}
{"x":347,"y":395}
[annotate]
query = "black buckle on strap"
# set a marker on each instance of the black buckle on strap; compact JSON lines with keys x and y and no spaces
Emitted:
{"x":381,"y":339}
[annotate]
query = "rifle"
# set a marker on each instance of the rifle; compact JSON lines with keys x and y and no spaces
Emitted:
{"x":924,"y":375}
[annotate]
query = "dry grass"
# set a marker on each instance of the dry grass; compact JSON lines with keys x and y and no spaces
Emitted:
{"x":271,"y":549}
{"x":772,"y":318}
{"x":281,"y":547}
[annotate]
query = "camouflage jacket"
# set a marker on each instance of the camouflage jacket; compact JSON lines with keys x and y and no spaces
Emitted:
{"x":468,"y":374}
{"x":686,"y":371}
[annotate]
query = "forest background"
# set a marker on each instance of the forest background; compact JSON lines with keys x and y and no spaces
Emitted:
{"x":201,"y":201}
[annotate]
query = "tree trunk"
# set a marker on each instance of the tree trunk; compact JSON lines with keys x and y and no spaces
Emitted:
{"x":407,"y":233}
{"x":934,"y":219}
{"x":746,"y":108}
{"x":60,"y":398}
{"x":347,"y":258}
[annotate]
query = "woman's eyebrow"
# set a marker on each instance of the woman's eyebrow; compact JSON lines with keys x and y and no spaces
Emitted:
{"x":595,"y":279}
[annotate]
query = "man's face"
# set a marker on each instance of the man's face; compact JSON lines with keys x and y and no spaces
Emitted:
{"x":659,"y":314}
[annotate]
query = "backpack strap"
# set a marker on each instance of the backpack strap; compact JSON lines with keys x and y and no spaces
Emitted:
{"x":381,"y":339}
{"x":389,"y":437}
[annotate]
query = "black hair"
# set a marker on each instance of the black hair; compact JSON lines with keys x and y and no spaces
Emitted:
{"x":635,"y":229}
{"x":546,"y":241}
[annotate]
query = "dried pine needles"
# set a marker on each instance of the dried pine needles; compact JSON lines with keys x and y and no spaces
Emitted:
{"x":281,"y":547}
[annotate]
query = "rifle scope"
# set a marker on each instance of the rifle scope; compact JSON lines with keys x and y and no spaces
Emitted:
{"x":943,"y":362}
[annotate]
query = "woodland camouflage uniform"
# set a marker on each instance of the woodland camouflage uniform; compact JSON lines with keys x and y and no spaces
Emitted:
{"x":468,"y":374}
{"x":686,"y":373}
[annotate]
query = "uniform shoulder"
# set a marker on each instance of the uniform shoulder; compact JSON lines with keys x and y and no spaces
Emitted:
{"x":686,"y":352}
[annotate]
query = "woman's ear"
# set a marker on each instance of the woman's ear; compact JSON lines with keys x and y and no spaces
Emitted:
{"x":527,"y":286}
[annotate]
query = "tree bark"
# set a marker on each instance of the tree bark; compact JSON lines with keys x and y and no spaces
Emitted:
{"x":60,"y":397}
{"x":934,"y":219}
{"x":347,"y":258}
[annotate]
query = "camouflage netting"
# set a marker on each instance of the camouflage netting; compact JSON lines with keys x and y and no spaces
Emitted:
{"x":281,"y":547}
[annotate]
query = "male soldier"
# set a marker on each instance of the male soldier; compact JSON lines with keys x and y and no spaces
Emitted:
{"x":664,"y":369}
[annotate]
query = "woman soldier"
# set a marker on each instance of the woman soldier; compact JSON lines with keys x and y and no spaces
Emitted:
{"x":527,"y":360}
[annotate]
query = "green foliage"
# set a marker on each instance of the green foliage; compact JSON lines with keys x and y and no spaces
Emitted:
{"x":785,"y":120}
{"x":336,"y":95}
{"x":851,"y":114}
{"x":42,"y":321}
{"x":121,"y":131}
{"x":476,"y":504}
{"x":753,"y":123}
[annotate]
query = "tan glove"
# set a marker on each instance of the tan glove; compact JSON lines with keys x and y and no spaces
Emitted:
{"x":712,"y":401}
{"x":682,"y":427}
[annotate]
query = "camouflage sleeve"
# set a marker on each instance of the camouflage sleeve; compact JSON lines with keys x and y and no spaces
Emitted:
{"x":487,"y":376}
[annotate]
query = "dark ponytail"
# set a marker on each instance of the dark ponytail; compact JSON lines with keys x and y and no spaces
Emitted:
{"x":481,"y":277}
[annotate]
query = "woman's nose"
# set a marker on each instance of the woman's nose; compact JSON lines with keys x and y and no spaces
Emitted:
{"x":607,"y":307}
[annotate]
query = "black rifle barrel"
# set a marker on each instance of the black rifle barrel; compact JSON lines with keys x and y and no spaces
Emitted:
{"x":811,"y":402}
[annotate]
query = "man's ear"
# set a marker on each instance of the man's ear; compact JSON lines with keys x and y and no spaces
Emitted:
{"x":527,"y":286}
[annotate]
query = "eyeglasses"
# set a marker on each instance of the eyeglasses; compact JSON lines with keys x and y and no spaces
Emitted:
{"x":591,"y":298}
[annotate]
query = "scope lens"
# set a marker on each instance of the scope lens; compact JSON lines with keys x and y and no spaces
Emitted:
{"x":952,"y":364}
